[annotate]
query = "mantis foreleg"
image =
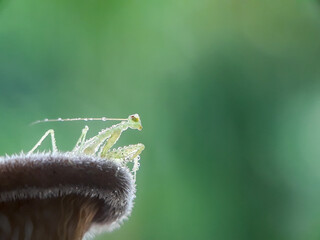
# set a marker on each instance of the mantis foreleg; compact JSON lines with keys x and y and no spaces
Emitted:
{"x":110,"y":142}
{"x":109,"y":135}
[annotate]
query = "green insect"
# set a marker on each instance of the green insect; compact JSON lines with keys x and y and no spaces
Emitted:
{"x":101,"y":144}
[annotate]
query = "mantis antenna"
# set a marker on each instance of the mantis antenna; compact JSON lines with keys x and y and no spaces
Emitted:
{"x":79,"y":119}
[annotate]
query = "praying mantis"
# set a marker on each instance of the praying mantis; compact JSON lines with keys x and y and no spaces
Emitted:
{"x":101,"y":144}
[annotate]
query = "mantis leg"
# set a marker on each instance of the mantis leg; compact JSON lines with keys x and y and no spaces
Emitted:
{"x":92,"y":145}
{"x":109,"y":136}
{"x":80,"y":142}
{"x":110,"y":142}
{"x":125,"y":154}
{"x":53,"y":141}
{"x":130,"y":153}
{"x":135,"y":168}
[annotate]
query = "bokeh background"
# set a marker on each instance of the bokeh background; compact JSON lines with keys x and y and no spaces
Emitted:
{"x":228,"y":92}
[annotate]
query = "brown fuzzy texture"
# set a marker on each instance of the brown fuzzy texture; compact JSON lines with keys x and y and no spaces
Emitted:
{"x":62,"y":195}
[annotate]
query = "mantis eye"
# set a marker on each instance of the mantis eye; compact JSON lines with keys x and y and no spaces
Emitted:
{"x":135,"y":119}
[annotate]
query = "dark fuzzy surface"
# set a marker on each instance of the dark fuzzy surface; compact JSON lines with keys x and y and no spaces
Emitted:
{"x":47,"y":175}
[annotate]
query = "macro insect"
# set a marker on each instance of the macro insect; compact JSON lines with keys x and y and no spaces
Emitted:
{"x":101,"y":144}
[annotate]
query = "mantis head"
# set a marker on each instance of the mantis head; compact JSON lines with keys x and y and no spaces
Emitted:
{"x":134,"y":122}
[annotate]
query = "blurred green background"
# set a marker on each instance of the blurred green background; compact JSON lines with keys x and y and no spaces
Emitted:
{"x":228,"y":92}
